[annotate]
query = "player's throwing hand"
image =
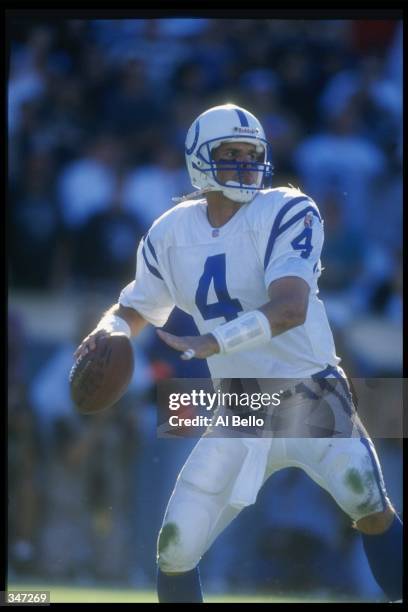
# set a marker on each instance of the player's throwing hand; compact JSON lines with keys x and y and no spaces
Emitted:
{"x":89,"y":343}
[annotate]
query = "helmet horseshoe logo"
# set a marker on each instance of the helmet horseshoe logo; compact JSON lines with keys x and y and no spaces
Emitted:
{"x":189,"y":150}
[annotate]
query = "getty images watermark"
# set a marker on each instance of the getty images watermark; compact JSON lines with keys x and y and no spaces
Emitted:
{"x":208,"y":401}
{"x":302,"y":408}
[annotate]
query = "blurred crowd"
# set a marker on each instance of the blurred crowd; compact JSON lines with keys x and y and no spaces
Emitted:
{"x":97,"y":115}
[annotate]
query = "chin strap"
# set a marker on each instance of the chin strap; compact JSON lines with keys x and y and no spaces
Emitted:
{"x":192,"y":196}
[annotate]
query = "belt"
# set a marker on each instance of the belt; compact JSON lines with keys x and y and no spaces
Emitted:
{"x":330,"y":370}
{"x":318,"y":376}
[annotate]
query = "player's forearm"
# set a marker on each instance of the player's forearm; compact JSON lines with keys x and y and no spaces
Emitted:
{"x":256,"y":327}
{"x":135,"y":321}
{"x":284,"y":315}
{"x":287,"y":306}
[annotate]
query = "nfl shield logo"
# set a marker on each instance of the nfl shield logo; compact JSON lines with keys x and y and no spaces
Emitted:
{"x":308,"y":221}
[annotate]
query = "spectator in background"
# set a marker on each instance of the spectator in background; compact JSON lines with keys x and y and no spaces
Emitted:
{"x":87,"y":466}
{"x":181,"y":109}
{"x":160,"y":52}
{"x":311,"y":548}
{"x":343,"y":260}
{"x":130,"y":105}
{"x":28,"y":73}
{"x":360,"y":279}
{"x":110,"y":470}
{"x":385,"y":227}
{"x":64,"y":117}
{"x":394,"y":305}
{"x":206,"y":69}
{"x":371,"y":35}
{"x":86,"y":513}
{"x":64,"y":542}
{"x":387,"y":298}
{"x":341,"y":156}
{"x":87,"y":185}
{"x":299,"y":76}
{"x":146,"y":190}
{"x":104,"y":247}
{"x":282,"y":127}
{"x":373,"y":337}
{"x":284,"y":541}
{"x":49,"y":388}
{"x":142,"y":40}
{"x":344,"y":248}
{"x":394,"y":59}
{"x":35,"y":228}
{"x":376,"y":99}
{"x":24,"y":468}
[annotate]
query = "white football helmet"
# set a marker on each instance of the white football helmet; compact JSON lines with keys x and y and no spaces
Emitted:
{"x":227,"y":123}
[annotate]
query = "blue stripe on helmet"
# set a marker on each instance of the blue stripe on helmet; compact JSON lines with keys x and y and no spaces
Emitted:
{"x":189,"y":150}
{"x":242,"y":117}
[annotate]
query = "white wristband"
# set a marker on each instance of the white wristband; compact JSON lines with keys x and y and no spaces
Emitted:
{"x":245,"y":332}
{"x":112,"y":323}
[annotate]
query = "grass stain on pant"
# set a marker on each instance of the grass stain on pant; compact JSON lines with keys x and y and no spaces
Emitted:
{"x":354,"y":481}
{"x":168,"y":535}
{"x":359,"y":485}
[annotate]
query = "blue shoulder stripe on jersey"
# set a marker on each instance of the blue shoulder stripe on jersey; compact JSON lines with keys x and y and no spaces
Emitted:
{"x":151,"y":247}
{"x":298,"y":216}
{"x":277,"y":229}
{"x":276,"y":225}
{"x":242,"y":117}
{"x":151,"y":268}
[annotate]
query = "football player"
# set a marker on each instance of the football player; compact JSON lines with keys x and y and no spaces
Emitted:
{"x":243,"y":259}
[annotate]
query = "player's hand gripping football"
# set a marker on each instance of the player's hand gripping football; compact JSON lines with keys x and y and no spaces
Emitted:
{"x":89,"y":343}
{"x":199,"y":347}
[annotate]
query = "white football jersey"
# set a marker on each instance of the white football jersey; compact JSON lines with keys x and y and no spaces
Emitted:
{"x":217,"y":274}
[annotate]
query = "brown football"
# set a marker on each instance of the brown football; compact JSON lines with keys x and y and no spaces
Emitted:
{"x":100,"y":378}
